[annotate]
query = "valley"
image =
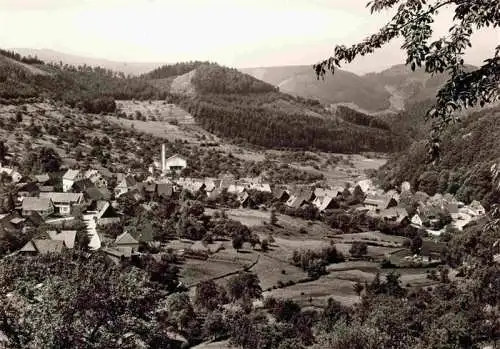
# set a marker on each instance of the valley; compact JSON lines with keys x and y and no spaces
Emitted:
{"x":201,"y":206}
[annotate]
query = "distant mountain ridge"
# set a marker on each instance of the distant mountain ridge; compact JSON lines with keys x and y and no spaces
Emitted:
{"x":51,"y":56}
{"x":388,"y":91}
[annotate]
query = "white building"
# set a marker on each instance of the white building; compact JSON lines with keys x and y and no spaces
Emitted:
{"x":69,"y":178}
{"x":175,"y":163}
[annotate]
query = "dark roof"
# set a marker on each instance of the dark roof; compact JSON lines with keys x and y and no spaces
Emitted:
{"x":34,"y":219}
{"x":82,"y":185}
{"x":165,"y":189}
{"x":95,"y":194}
{"x":145,"y":233}
{"x":31,"y":187}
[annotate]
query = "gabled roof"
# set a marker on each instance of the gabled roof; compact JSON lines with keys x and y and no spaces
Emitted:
{"x":71,"y":175}
{"x":63,"y":197}
{"x":36,"y":204}
{"x":67,"y":236}
{"x":125,"y":239}
{"x":323,"y":202}
{"x":175,"y":156}
{"x":43,"y":246}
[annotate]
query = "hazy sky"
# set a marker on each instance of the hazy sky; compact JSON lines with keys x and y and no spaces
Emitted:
{"x":238,"y":33}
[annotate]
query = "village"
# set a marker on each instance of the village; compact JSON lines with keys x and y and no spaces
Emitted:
{"x":89,"y":197}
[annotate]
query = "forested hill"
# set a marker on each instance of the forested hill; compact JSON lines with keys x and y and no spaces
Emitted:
{"x":343,"y":87}
{"x":243,"y":109}
{"x":224,"y":101}
{"x":28,"y":77}
{"x":468,"y":166}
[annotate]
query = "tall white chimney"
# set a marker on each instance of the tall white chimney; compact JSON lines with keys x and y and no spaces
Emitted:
{"x":163,"y":163}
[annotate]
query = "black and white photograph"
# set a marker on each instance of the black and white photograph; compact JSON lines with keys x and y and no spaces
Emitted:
{"x":250,"y":174}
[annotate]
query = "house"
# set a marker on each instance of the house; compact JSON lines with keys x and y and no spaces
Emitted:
{"x":296,"y":201}
{"x":126,"y":184}
{"x":477,"y":208}
{"x":211,"y":184}
{"x":117,"y":255}
{"x":96,"y":178}
{"x":42,"y":178}
{"x":13,"y":174}
{"x":145,"y":234}
{"x":236,"y":188}
{"x":378,"y":203}
{"x":46,"y":188}
{"x":128,"y":241}
{"x":97,"y":194}
{"x":66,"y":236}
{"x":262,"y":187}
{"x":416,"y":220}
{"x":40,"y":246}
{"x":81,"y":185}
{"x":396,"y":214}
{"x":164,"y":190}
{"x":106,"y":213}
{"x":70,"y":177}
{"x":64,"y":202}
{"x":243,"y":198}
{"x":175,"y":163}
{"x":432,"y":251}
{"x":30,"y":189}
{"x":281,"y":194}
{"x":226,"y":181}
{"x":43,"y":206}
{"x":323,"y":203}
{"x":192,"y":185}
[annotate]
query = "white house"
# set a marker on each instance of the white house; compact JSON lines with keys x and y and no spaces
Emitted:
{"x":477,"y":208}
{"x":63,"y":202}
{"x":175,"y":163}
{"x":69,"y":178}
{"x":16,"y":176}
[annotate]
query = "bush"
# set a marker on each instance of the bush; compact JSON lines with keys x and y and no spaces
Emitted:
{"x":358,"y":249}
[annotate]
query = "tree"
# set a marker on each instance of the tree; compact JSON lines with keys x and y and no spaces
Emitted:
{"x":179,"y":310}
{"x":214,"y":326}
{"x":3,"y":151}
{"x":412,"y":21}
{"x":358,"y":249}
{"x":237,"y":242}
{"x":210,"y":296}
{"x":43,"y":159}
{"x":78,"y":301}
{"x":358,"y":288}
{"x":273,"y":218}
{"x":244,"y":285}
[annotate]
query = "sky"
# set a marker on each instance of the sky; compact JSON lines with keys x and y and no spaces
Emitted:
{"x":237,"y":33}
